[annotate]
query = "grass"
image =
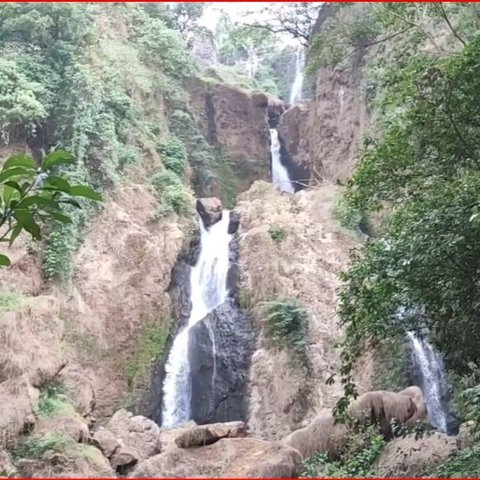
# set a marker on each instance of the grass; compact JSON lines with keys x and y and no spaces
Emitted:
{"x":277,"y":233}
{"x":54,"y":400}
{"x":36,"y":446}
{"x":10,"y":301}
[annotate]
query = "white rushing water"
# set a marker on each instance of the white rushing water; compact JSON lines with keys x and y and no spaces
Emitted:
{"x":434,"y":383}
{"x":296,"y":91}
{"x":280,"y":177}
{"x":208,"y":283}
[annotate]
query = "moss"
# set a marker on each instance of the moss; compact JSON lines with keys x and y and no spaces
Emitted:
{"x":10,"y":301}
{"x":149,"y":346}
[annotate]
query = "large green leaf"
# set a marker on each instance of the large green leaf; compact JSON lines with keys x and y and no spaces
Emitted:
{"x":26,"y":220}
{"x":16,"y":171}
{"x":16,"y":231}
{"x":60,"y":157}
{"x":84,"y":191}
{"x":4,"y":261}
{"x":57,"y":183}
{"x":37,"y":200}
{"x":60,"y":217}
{"x":19,"y":161}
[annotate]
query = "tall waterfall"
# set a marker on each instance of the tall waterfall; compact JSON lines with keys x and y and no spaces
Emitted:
{"x":208,"y":281}
{"x":280,"y":176}
{"x":434,"y":385}
{"x":296,"y":91}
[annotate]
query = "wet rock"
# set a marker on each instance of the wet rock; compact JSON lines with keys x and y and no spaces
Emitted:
{"x":220,"y":347}
{"x":202,"y":435}
{"x":106,"y":442}
{"x":138,"y":435}
{"x":210,"y":210}
{"x":19,"y":402}
{"x":234,"y":222}
{"x":227,"y":458}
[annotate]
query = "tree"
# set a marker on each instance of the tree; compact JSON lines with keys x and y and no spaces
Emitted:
{"x":426,"y":168}
{"x":30,"y":196}
{"x":184,"y":18}
{"x":296,"y":19}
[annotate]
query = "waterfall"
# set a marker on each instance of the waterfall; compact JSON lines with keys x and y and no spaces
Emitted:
{"x":433,"y":381}
{"x":208,"y":281}
{"x":280,"y":177}
{"x":296,"y":91}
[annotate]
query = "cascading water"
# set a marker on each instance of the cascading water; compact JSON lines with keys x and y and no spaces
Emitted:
{"x":296,"y":91}
{"x":433,"y":381}
{"x":208,"y":280}
{"x":280,"y":177}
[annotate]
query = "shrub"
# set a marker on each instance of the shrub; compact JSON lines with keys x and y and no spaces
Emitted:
{"x":463,"y":464}
{"x":357,"y":459}
{"x":171,"y":193}
{"x":277,"y":233}
{"x":348,"y":216}
{"x":54,"y":399}
{"x":287,"y":326}
{"x":174,"y":155}
{"x":36,"y":446}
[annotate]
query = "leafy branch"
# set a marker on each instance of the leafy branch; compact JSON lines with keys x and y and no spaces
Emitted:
{"x":30,"y":196}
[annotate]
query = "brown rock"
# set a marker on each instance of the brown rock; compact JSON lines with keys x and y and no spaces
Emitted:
{"x":19,"y":402}
{"x":229,"y":457}
{"x":6,"y":466}
{"x":210,"y":210}
{"x":31,"y":337}
{"x":408,"y":457}
{"x":68,"y":423}
{"x":80,"y":388}
{"x":138,"y":435}
{"x":106,"y":442}
{"x":166,"y":439}
{"x":236,"y":121}
{"x":207,"y":434}
{"x":124,"y":457}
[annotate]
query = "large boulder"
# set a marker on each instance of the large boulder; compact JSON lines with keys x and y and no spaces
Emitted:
{"x":411,"y":457}
{"x":67,"y":423}
{"x":80,"y":387}
{"x":105,"y":440}
{"x":229,"y":457}
{"x":19,"y":402}
{"x":137,"y":435}
{"x":202,"y":435}
{"x":210,"y":210}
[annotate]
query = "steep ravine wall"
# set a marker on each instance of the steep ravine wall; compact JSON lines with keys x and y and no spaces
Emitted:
{"x":304,"y":265}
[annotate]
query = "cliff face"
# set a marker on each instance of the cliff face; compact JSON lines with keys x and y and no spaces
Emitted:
{"x":235,"y":122}
{"x":303,"y":264}
{"x":325,"y":133}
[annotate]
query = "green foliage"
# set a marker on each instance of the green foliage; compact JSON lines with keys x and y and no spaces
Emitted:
{"x":29,"y":196}
{"x":463,"y":464}
{"x":19,"y":102}
{"x":174,"y":155}
{"x":287,"y":326}
{"x":277,"y":234}
{"x":171,"y":194}
{"x":425,"y":168}
{"x":53,"y":400}
{"x":150,"y":345}
{"x":10,"y":301}
{"x":357,"y":460}
{"x":36,"y":446}
{"x":348,"y":216}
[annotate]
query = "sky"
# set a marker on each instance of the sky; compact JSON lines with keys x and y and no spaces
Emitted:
{"x":234,"y":9}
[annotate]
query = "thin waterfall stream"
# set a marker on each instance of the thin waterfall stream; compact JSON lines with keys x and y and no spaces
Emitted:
{"x":280,"y":177}
{"x":430,"y":370}
{"x":208,"y":281}
{"x":297,"y":86}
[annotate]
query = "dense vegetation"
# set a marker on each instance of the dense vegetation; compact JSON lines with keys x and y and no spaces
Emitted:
{"x":420,"y":165}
